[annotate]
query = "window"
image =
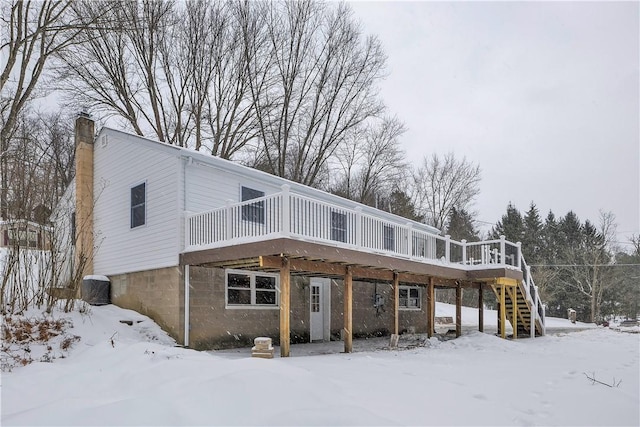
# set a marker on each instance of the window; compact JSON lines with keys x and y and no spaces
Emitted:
{"x":73,"y":228}
{"x":389,"y":236}
{"x":409,"y":298}
{"x":138,"y":205}
{"x":248,"y":288}
{"x":315,"y":299}
{"x":33,"y":238}
{"x":253,"y":212}
{"x":18,"y":237}
{"x":339,"y":226}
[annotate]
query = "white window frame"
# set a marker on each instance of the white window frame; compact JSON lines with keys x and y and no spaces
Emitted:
{"x":131,"y":206}
{"x":409,"y":289}
{"x":339,"y":228}
{"x":253,"y":212}
{"x":252,"y":275}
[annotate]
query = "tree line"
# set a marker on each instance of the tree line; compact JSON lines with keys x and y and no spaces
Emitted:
{"x":290,"y":88}
{"x":577,"y":264}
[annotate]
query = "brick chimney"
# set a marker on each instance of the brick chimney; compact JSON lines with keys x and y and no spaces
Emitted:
{"x":84,"y":136}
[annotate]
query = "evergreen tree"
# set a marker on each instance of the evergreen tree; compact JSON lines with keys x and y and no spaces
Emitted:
{"x":532,"y":238}
{"x":511,"y":225}
{"x":570,"y":231}
{"x":461,"y":226}
{"x":400,"y":203}
{"x":623,"y":299}
{"x":549,"y":240}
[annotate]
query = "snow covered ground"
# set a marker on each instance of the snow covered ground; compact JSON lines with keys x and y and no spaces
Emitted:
{"x":121,"y":374}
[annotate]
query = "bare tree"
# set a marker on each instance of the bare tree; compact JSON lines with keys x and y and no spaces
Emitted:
{"x":240,"y":37}
{"x":372,"y":164}
{"x":635,"y":241}
{"x":441,"y":184}
{"x":321,"y":87}
{"x":33,"y":34}
{"x":38,"y":165}
{"x":586,"y":263}
{"x":176,"y":72}
{"x":122,"y":69}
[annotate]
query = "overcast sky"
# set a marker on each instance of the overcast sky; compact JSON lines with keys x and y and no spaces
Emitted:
{"x":543,"y":96}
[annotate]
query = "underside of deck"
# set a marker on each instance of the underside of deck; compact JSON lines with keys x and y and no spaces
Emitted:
{"x":290,"y":257}
{"x":308,"y":258}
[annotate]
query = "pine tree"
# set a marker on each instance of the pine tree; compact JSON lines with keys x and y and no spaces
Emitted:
{"x":532,"y":238}
{"x":511,"y":225}
{"x":400,"y":203}
{"x":549,"y":244}
{"x":461,"y":226}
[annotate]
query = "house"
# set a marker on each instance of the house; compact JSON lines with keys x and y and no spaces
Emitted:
{"x":218,"y":253}
{"x":24,"y":234}
{"x":25,"y":261}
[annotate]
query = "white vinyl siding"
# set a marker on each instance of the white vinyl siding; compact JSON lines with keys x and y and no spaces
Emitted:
{"x":209,"y":188}
{"x":121,"y":163}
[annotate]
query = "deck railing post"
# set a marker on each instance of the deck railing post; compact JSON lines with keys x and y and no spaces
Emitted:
{"x":187,"y":230}
{"x":534,"y":315}
{"x":410,"y":240}
{"x":447,"y":248}
{"x":464,"y":251}
{"x":519,"y":255}
{"x":228,"y":220}
{"x":503,"y":251}
{"x":358,"y":210}
{"x":286,"y":211}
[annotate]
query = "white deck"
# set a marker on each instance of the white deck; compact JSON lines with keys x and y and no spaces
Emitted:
{"x":295,"y":216}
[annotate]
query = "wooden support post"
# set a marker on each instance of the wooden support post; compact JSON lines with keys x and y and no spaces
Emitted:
{"x":348,"y":313}
{"x":285,"y":304}
{"x":480,"y":309}
{"x":458,"y":310}
{"x":431,"y":305}
{"x":498,"y":300}
{"x":514,"y":308}
{"x":503,"y":312}
{"x":396,"y":301}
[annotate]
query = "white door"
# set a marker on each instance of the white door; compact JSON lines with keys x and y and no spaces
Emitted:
{"x":319,"y":306}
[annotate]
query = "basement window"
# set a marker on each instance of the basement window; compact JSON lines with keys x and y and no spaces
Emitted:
{"x":409,"y":298}
{"x":138,"y":205}
{"x":251,"y":289}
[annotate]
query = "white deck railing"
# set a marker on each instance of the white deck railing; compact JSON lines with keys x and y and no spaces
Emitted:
{"x":287,"y":214}
{"x":291,"y":215}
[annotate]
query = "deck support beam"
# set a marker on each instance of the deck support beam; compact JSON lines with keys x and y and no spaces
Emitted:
{"x":431,"y":307}
{"x":458,"y":310}
{"x":502,"y":313}
{"x":514,"y":311}
{"x":285,"y":304}
{"x":348,"y":311}
{"x":396,"y":302}
{"x":480,"y":309}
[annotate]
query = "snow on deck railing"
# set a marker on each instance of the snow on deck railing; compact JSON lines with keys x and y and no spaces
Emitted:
{"x":287,"y":214}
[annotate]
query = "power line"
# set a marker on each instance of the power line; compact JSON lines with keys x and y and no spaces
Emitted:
{"x":584,"y":265}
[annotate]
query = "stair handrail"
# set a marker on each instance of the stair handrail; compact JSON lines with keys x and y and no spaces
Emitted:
{"x":533,"y":297}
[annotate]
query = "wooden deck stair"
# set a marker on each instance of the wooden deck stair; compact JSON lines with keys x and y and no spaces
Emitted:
{"x":514,"y":291}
